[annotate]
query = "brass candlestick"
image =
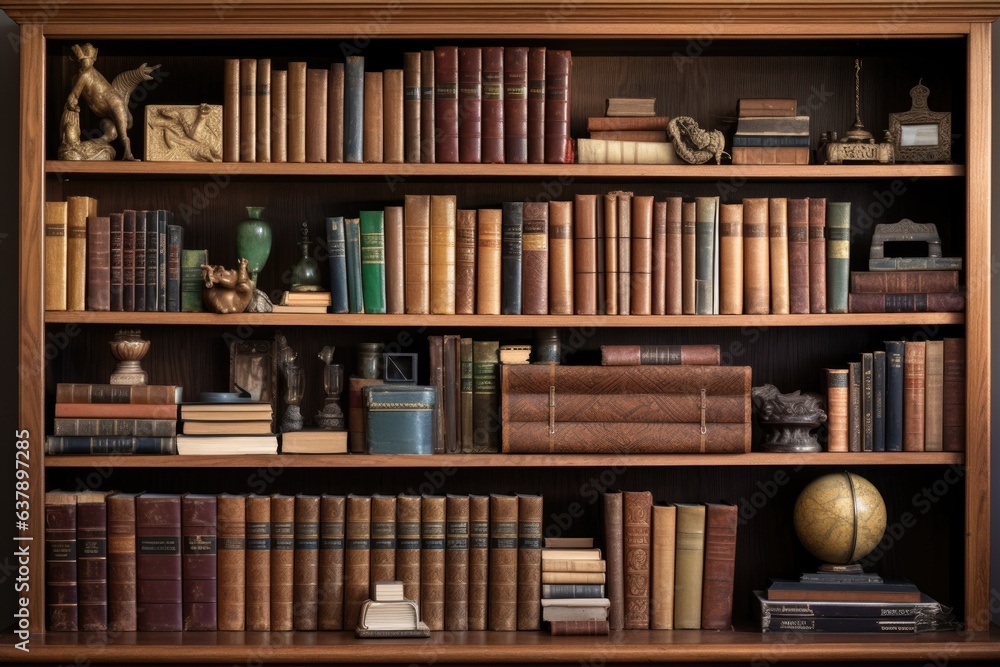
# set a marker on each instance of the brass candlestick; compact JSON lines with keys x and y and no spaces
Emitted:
{"x":128,"y":347}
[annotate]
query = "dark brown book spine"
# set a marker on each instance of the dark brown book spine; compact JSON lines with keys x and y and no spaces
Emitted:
{"x":317,"y":94}
{"x":435,"y":357}
{"x":357,"y":566}
{"x":675,"y":253}
{"x":411,"y":106}
{"x":914,"y":359}
{"x":536,"y":104}
{"x":535,"y":259}
{"x":373,"y":137}
{"x":383,"y":546}
{"x":953,"y":426}
{"x":61,"y":593}
{"x":456,"y":587}
{"x":465,"y":372}
{"x":817,"y":254}
{"x":232,"y":520}
{"x":658,"y":277}
{"x":901,"y":282}
{"x":432,"y":560}
{"x":465,"y":262}
{"x":199,"y":561}
{"x":493,"y":126}
{"x":558,"y":145}
{"x":798,"y":255}
{"x":585,"y":254}
{"x":529,"y":561}
{"x":854,"y":407}
{"x":674,"y":355}
{"x":614,"y":554}
{"x":428,"y":127}
{"x":479,"y":561}
{"x":282,"y":562}
{"x":503,"y":563}
{"x":98,"y":263}
{"x":356,"y":439}
{"x":248,"y":110}
{"x":128,"y":260}
{"x":452,"y":394}
{"x":116,"y":262}
{"x":642,"y":282}
{"x":231,"y":111}
{"x":335,"y":114}
{"x":566,"y":628}
{"x":720,"y":566}
{"x":263,"y":102}
{"x":279,"y":116}
{"x":628,"y":412}
{"x":408,"y":545}
{"x":446,"y":119}
{"x":330,"y":596}
{"x":296,"y":113}
{"x":951,"y":302}
{"x":561,"y":257}
{"x":258,"y":559}
{"x":395,"y":267}
{"x":158,"y":563}
{"x":305,"y":586}
{"x":515,"y":103}
{"x":92,"y":562}
{"x":470,"y":104}
{"x":393,"y":131}
{"x":121,"y":562}
{"x":637,"y":511}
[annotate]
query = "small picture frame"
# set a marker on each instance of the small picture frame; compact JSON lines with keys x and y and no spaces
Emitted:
{"x":253,"y":366}
{"x":399,"y":367}
{"x":921,"y":135}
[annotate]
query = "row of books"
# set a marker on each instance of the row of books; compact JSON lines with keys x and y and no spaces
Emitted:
{"x":127,"y":562}
{"x":909,"y":397}
{"x":490,"y":104}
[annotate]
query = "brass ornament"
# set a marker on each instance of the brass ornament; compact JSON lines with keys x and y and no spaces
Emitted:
{"x":227,"y":290}
{"x":921,"y":135}
{"x":858,"y":145}
{"x":184,"y":132}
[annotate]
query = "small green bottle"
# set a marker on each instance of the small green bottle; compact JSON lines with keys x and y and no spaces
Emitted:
{"x":305,"y":273}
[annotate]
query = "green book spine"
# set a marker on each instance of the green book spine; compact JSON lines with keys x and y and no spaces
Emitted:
{"x":352,"y":236}
{"x":706,"y":226}
{"x":838,"y":255}
{"x":373,"y":261}
{"x":191,"y":281}
{"x":485,"y":403}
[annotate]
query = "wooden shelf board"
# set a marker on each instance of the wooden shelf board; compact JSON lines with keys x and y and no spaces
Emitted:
{"x":387,"y":320}
{"x":503,"y":460}
{"x":633,"y":646}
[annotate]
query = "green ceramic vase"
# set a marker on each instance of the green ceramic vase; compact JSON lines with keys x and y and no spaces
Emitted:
{"x":253,"y":241}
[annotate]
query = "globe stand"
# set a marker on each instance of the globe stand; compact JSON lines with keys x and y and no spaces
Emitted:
{"x":851,"y":568}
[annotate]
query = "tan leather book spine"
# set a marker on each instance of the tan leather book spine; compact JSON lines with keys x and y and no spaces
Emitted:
{"x":411,"y":106}
{"x":624,"y":252}
{"x":721,"y":521}
{"x":503,"y":563}
{"x":637,"y":510}
{"x":305,"y":588}
{"x":282,"y":562}
{"x":798,"y":256}
{"x":585,"y":254}
{"x":395,"y":260}
{"x":231,"y":110}
{"x":465,"y":262}
{"x":296,"y":113}
{"x":731,"y":259}
{"x":122,"y":563}
{"x":535,"y":259}
{"x":569,"y":565}
{"x":263,"y":110}
{"x":675,"y":253}
{"x":392,"y":116}
{"x":661,"y":586}
{"x":232,"y":517}
{"x":373,"y":138}
{"x":689,"y":247}
{"x":689,"y":566}
{"x":836,"y":409}
{"x":248,"y":110}
{"x":673,"y":355}
{"x":335,"y":114}
{"x":78,"y":209}
{"x":529,"y":561}
{"x":383,"y":547}
{"x":317,"y":113}
{"x":561,"y":241}
{"x":777,"y":225}
{"x":427,"y":108}
{"x":614,"y":553}
{"x":817,"y":254}
{"x":456,"y":587}
{"x":432,"y":560}
{"x":479,"y":561}
{"x":574,"y":578}
{"x":279,"y":116}
{"x":641,"y":286}
{"x":330,"y":596}
{"x":488,"y":251}
{"x":357,"y":548}
{"x":408,"y":545}
{"x":659,"y":269}
{"x":417,"y":257}
{"x":914,"y":394}
{"x":756,"y":257}
{"x":258,"y":559}
{"x":610,"y":208}
{"x":442,"y":234}
{"x":953,"y":428}
{"x":934,"y":396}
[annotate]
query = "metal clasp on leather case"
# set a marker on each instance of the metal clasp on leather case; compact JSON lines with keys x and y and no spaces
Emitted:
{"x":704,"y":428}
{"x":552,"y":409}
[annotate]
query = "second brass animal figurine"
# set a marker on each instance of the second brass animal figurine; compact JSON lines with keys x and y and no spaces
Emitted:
{"x":227,"y":290}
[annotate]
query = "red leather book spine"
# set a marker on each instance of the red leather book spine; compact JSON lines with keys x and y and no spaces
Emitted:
{"x":158,"y":563}
{"x":199,"y":562}
{"x":558,"y":147}
{"x":446,"y":104}
{"x":493,"y":105}
{"x":470,"y":104}
{"x":536,"y":104}
{"x":515,"y":104}
{"x":92,"y":562}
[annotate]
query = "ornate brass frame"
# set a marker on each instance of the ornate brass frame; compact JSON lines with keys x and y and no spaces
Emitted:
{"x":919,"y":114}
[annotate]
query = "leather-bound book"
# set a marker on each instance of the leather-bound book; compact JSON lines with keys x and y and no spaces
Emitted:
{"x":675,"y":253}
{"x":465,"y":261}
{"x":232,"y":525}
{"x":894,"y":392}
{"x":558,"y":79}
{"x":585,"y":254}
{"x":470,"y":104}
{"x":731,"y":259}
{"x":515,"y":104}
{"x":933,"y":401}
{"x":116,"y":262}
{"x":248,"y":110}
{"x":641,"y":279}
{"x":435,"y":363}
{"x":451,"y":396}
{"x":659,"y":355}
{"x":878,"y":401}
{"x":456,"y":587}
{"x":706,"y":254}
{"x":503,"y":563}
{"x":61,"y":593}
{"x":493,"y":125}
{"x":446,"y":104}
{"x":624,"y":217}
{"x":721,"y":521}
{"x":305,"y":582}
{"x":144,"y":243}
{"x":536,"y":104}
{"x":133,"y":253}
{"x":317,"y":99}
{"x":443,"y":223}
{"x":578,"y":628}
{"x":906,"y":303}
{"x":373,"y":284}
{"x":258,"y":559}
{"x":600,"y":256}
{"x":432,"y":560}
{"x":279,"y":116}
{"x":92,"y":560}
{"x":798,"y":255}
{"x":408,"y":545}
{"x":395,"y":264}
{"x":689,"y":565}
{"x":817,"y":254}
{"x":629,"y":123}
{"x":356,"y":427}
{"x":354,"y":108}
{"x":55,"y":255}
{"x":953,"y":423}
{"x":392,"y":116}
{"x":411,"y":107}
{"x":416,"y":232}
{"x":330,"y":591}
{"x":777,"y":225}
{"x":98,"y":289}
{"x":560,"y":278}
{"x":614,"y":553}
{"x":529,"y":561}
{"x":485,"y":396}
{"x":78,"y":210}
{"x":535,"y":258}
{"x":427,"y":108}
{"x":479,"y":561}
{"x":689,"y":247}
{"x":158,"y":562}
{"x":121,"y":562}
{"x":175,"y":242}
{"x":914,"y":394}
{"x":612,"y":272}
{"x":661,"y":575}
{"x":231,"y":110}
{"x":199,"y":562}
{"x":510,"y":257}
{"x":336,"y":245}
{"x":658,"y":272}
{"x":854,"y":409}
{"x":637,"y":510}
{"x":282,"y":562}
{"x":357,"y":547}
{"x":837,"y":390}
{"x":160,"y":278}
{"x":297,"y":103}
{"x":263,"y":103}
{"x":756,"y":257}
{"x":373,"y":145}
{"x":902,"y":282}
{"x":838,"y":255}
{"x":466,"y":442}
{"x":489,"y":277}
{"x":383,"y":546}
{"x":352,"y":250}
{"x":867,"y":402}
{"x":335,"y":114}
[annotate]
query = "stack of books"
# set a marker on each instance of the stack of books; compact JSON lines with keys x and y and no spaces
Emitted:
{"x":770,"y":131}
{"x":303,"y":302}
{"x":390,"y":614}
{"x":573,"y":577}
{"x":243,"y":427}
{"x":629,"y":133}
{"x":902,"y":291}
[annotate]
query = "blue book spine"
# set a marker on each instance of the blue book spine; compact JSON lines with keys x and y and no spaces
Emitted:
{"x":510,"y":257}
{"x":550,"y":591}
{"x":175,"y":242}
{"x":337,"y":251}
{"x":894,"y":396}
{"x":354,"y":108}
{"x":878,"y":396}
{"x":352,"y":243}
{"x":163,"y":219}
{"x":769,"y":141}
